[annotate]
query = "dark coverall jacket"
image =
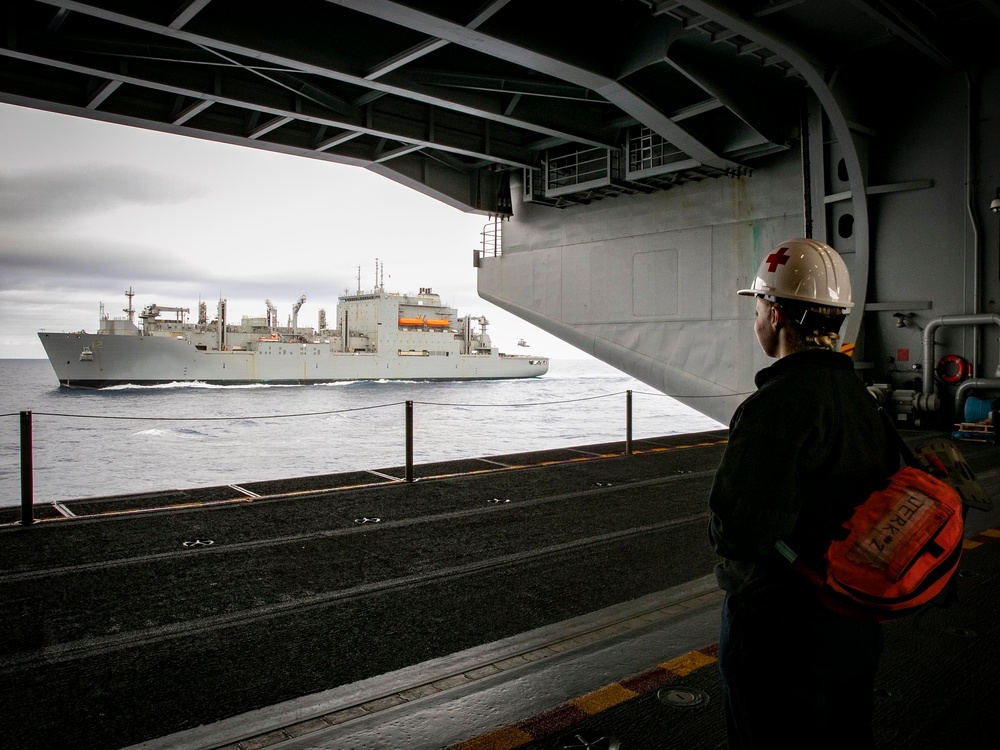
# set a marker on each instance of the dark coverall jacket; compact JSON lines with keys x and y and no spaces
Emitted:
{"x":803,"y":450}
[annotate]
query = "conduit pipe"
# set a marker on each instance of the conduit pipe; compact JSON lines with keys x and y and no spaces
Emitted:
{"x":947,"y":320}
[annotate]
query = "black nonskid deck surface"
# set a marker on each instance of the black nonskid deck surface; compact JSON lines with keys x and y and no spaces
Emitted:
{"x":145,"y":617}
{"x":140,"y":617}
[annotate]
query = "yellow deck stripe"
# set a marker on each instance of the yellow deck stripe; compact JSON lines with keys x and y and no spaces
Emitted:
{"x":688,"y":663}
{"x":506,"y":738}
{"x":603,"y":699}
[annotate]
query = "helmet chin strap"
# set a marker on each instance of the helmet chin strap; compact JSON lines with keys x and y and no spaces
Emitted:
{"x":806,"y":317}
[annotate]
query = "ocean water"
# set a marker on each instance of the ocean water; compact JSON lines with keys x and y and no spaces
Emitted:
{"x":138,"y":439}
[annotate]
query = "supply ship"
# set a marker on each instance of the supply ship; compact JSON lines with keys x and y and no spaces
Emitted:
{"x":379,"y":335}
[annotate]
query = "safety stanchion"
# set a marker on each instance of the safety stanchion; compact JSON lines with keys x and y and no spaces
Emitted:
{"x":27,"y":472}
{"x":409,"y":441}
{"x":628,"y":423}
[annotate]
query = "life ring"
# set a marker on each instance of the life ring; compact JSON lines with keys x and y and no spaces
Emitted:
{"x":952,"y":369}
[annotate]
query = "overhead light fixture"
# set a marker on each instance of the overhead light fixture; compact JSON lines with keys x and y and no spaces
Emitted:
{"x":995,"y":205}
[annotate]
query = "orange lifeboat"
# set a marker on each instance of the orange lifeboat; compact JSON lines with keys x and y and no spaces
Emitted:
{"x":439,"y":323}
{"x":411,"y":321}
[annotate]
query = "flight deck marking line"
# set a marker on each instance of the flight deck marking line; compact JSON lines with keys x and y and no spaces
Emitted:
{"x":63,"y":509}
{"x":137,"y":511}
{"x":244,"y":490}
{"x":574,"y":459}
{"x":384,"y":476}
{"x":354,"y":529}
{"x":501,"y":467}
{"x":392,"y":480}
{"x":228,"y":501}
{"x":90,"y":646}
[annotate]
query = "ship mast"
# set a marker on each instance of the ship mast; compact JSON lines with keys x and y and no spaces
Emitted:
{"x":130,"y":310}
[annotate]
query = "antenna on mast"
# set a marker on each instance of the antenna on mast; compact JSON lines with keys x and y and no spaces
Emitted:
{"x":359,"y":279}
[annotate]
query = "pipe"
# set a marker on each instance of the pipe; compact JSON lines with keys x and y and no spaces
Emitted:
{"x":972,"y":183}
{"x":295,"y":313}
{"x":947,"y":320}
{"x":973,"y":384}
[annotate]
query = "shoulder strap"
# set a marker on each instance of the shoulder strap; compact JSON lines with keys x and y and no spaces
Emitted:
{"x":904,"y":450}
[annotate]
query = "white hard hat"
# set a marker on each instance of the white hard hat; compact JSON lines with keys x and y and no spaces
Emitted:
{"x":805,"y":270}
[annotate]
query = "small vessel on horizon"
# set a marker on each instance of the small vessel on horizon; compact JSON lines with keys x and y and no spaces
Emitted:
{"x":379,"y":335}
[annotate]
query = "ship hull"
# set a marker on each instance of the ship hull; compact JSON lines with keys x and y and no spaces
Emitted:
{"x":82,"y":360}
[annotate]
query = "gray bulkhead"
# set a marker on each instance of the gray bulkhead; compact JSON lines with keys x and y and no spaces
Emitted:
{"x":647,"y":282}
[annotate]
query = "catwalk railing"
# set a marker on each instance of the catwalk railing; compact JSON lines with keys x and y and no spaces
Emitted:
{"x":27,"y":448}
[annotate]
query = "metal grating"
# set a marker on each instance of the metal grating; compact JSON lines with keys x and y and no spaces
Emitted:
{"x":579,"y":170}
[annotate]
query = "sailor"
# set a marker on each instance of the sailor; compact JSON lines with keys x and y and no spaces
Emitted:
{"x":803,"y":450}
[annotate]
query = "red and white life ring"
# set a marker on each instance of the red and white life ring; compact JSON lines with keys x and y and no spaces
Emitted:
{"x":952,"y":369}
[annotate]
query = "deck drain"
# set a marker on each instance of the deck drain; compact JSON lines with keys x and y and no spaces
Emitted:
{"x":590,"y":741}
{"x":960,"y":632}
{"x":681,"y":697}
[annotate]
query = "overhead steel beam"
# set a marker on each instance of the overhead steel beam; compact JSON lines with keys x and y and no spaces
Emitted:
{"x":103,"y":92}
{"x":203,"y":96}
{"x":431,"y":45}
{"x":188,"y":11}
{"x":612,"y":90}
{"x":413,"y":94}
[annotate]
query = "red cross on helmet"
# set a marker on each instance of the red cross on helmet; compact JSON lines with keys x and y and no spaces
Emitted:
{"x":804,"y":270}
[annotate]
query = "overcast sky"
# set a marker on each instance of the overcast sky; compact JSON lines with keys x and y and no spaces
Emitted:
{"x":89,"y":209}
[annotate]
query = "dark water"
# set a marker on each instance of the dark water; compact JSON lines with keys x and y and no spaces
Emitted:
{"x":93,"y":443}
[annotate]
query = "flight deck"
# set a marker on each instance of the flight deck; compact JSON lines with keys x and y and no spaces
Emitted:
{"x":555,"y":599}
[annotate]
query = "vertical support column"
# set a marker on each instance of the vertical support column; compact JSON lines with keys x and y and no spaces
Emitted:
{"x":409,"y":441}
{"x":27,"y":472}
{"x":628,"y":423}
